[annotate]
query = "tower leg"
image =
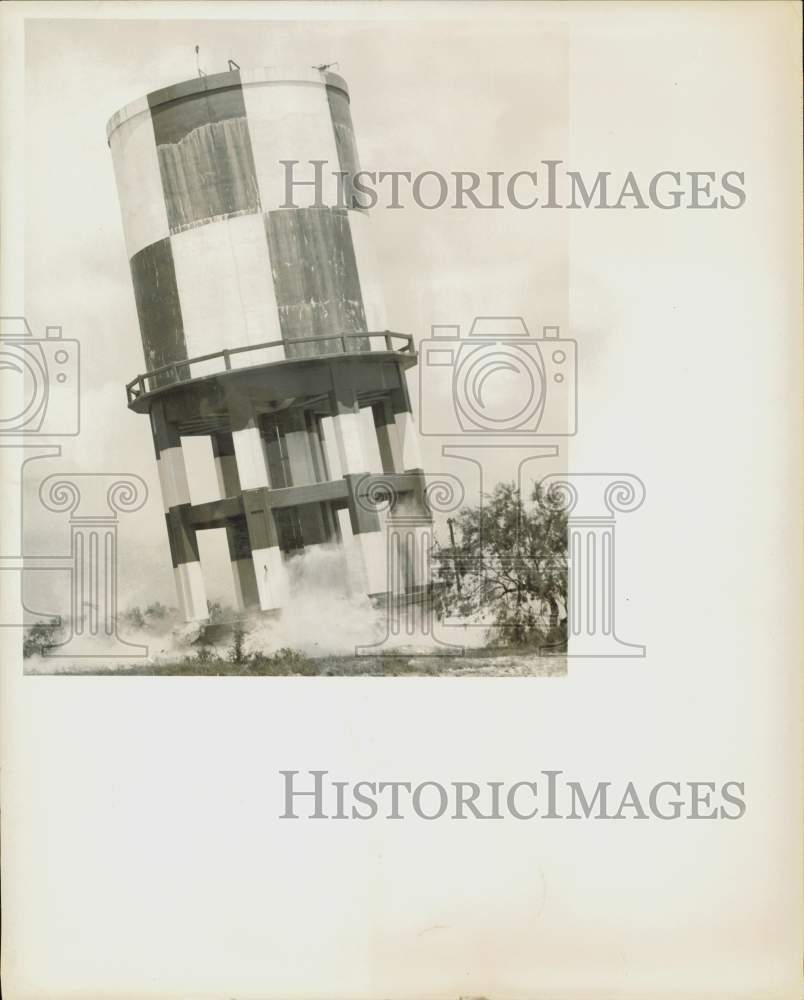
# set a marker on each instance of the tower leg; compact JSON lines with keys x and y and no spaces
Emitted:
{"x":269,"y":566}
{"x":243,"y":574}
{"x":305,"y":461}
{"x":189,"y":579}
{"x":245,"y":581}
{"x":366,"y":528}
{"x":405,"y":427}
{"x":387,"y":437}
{"x":419,"y":532}
{"x":252,"y":470}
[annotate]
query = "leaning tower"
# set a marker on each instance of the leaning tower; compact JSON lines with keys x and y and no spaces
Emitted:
{"x":263,"y":326}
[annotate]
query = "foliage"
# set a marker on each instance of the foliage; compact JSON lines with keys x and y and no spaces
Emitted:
{"x":217,"y":612}
{"x":509,"y":565}
{"x":39,"y":639}
{"x":284,"y":662}
{"x":134,"y":617}
{"x":154,"y":616}
{"x":237,"y":651}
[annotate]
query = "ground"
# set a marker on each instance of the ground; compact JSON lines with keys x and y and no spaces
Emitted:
{"x":287,"y":663}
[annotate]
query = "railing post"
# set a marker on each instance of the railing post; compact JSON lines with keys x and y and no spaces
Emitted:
{"x":389,"y":346}
{"x":227,"y":361}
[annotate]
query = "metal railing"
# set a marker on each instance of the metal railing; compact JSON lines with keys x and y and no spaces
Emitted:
{"x":180,"y":371}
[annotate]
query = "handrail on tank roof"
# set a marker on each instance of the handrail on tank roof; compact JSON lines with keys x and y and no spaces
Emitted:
{"x":136,"y":388}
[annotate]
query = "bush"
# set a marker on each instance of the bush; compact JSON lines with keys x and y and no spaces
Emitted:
{"x":39,"y":639}
{"x":205,"y":654}
{"x":237,"y":651}
{"x":134,"y":617}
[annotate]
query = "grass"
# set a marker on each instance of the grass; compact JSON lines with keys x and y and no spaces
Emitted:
{"x":289,"y":663}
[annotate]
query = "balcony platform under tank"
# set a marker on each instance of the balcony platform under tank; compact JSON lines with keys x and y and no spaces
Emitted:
{"x":281,"y":378}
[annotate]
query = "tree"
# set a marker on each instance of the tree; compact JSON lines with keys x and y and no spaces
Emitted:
{"x":508,"y":566}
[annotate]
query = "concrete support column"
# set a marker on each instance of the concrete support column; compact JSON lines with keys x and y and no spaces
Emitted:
{"x":303,"y":446}
{"x":407,"y":436}
{"x":387,"y":437}
{"x":346,"y":424}
{"x":243,"y":575}
{"x":399,"y":451}
{"x":409,"y":440}
{"x":225,"y":464}
{"x":252,"y":470}
{"x":417,"y":539}
{"x":300,"y":452}
{"x":250,"y":459}
{"x":269,"y":564}
{"x":316,"y":438}
{"x":189,"y":579}
{"x":366,"y":528}
{"x":414,"y":525}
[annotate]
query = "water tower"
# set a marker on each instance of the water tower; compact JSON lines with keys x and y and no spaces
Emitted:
{"x":263,"y":326}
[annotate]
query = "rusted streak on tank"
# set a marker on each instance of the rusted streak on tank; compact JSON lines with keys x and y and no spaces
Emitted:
{"x":315,"y":279}
{"x":208,"y":174}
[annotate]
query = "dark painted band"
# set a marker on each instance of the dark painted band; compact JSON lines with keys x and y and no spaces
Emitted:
{"x":383,"y":413}
{"x":343,"y":399}
{"x":418,"y":492}
{"x":194,"y":86}
{"x":165,"y":433}
{"x":259,"y":519}
{"x":400,"y":397}
{"x":203,"y":145}
{"x":345,"y":142}
{"x":215,"y":513}
{"x":314,"y":527}
{"x":363,"y":519}
{"x":156,"y":295}
{"x":181,"y":535}
{"x":232,"y":78}
{"x":222,"y":444}
{"x":316,"y":281}
{"x":238,"y":541}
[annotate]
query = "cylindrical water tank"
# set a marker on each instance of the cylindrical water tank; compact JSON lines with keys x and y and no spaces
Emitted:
{"x":216,"y":261}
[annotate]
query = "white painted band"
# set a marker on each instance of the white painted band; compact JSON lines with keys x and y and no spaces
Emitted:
{"x":409,"y":441}
{"x":252,"y":467}
{"x":173,"y":477}
{"x":272,"y":578}
{"x":191,"y":591}
{"x":139,"y":183}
